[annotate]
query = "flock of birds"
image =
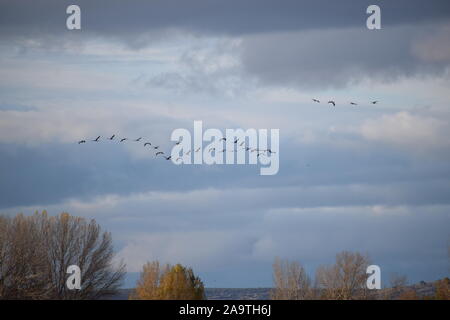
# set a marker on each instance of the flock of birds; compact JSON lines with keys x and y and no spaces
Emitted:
{"x":157,"y":150}
{"x":332,"y":102}
{"x":236,"y":142}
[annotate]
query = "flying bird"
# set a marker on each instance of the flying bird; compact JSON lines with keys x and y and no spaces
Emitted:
{"x":123,"y":139}
{"x":138,"y":139}
{"x":96,"y":139}
{"x":159,"y":152}
{"x":270,"y":151}
{"x":353,"y":103}
{"x":211,"y":149}
{"x":168,"y":158}
{"x":332,"y":102}
{"x":81,"y":141}
{"x":224,"y":139}
{"x":112,"y":137}
{"x":236,"y":141}
{"x":155,"y":147}
{"x":374,"y":102}
{"x":198,"y":149}
{"x":147,"y":144}
{"x":187,"y":153}
{"x":315,"y":100}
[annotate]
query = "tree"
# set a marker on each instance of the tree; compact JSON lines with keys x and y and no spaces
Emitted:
{"x":36,"y":251}
{"x":443,"y":289}
{"x":168,"y":283}
{"x":398,"y":281}
{"x":149,"y":281}
{"x":22,"y":260}
{"x":290,"y":281}
{"x":408,"y":294}
{"x":344,"y":280}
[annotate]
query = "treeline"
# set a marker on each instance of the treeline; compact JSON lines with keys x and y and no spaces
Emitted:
{"x":344,"y":280}
{"x":36,"y":251}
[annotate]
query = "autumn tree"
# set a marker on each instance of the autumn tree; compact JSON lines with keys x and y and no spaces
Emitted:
{"x":442,"y":289}
{"x":168,"y":283}
{"x":35,"y":252}
{"x":23,"y":261}
{"x":408,"y":294}
{"x":344,"y":280}
{"x":290,"y":281}
{"x":149,"y":281}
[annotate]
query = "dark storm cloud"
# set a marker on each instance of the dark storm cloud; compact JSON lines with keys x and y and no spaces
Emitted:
{"x":130,"y":18}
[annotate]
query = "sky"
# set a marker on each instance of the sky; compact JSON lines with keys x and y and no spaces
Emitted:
{"x":368,"y":178}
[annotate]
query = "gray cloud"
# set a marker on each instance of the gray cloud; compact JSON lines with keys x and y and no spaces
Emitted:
{"x":115,"y":17}
{"x":87,"y":171}
{"x":339,"y":57}
{"x":16,"y":107}
{"x":307,"y":44}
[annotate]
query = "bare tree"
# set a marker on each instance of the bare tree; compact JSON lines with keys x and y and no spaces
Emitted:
{"x":22,"y":260}
{"x":36,"y":252}
{"x":344,"y":280}
{"x":290,"y":281}
{"x":397,"y":286}
{"x":398,"y":281}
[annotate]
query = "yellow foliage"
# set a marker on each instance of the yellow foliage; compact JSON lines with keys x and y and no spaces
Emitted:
{"x":443,"y":289}
{"x":168,"y":283}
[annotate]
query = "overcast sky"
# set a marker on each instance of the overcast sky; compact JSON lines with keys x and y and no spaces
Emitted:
{"x":370,"y":178}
